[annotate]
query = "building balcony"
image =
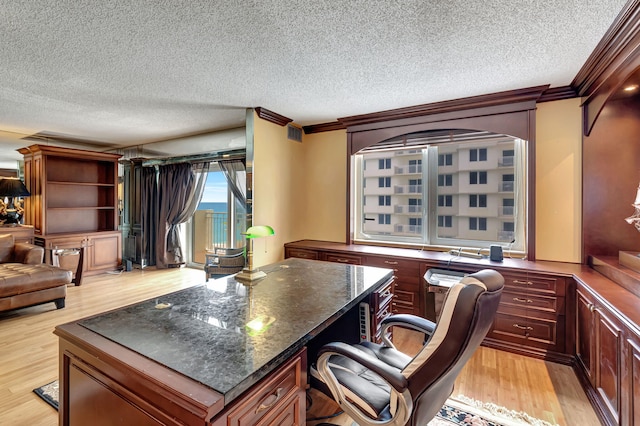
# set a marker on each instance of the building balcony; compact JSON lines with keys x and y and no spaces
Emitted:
{"x":407,"y":189}
{"x":506,"y":186}
{"x":506,"y":161}
{"x":506,"y":211}
{"x":407,"y":229}
{"x":408,"y":210}
{"x":506,"y":236}
{"x":409,"y":170}
{"x":406,"y":152}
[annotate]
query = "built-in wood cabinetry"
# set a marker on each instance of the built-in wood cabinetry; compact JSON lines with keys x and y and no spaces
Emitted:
{"x":531,"y":318}
{"x":599,"y":351}
{"x":74,"y":202}
{"x":279,"y":399}
{"x":608,"y":351}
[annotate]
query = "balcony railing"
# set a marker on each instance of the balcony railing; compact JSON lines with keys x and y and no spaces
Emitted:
{"x":216,"y":229}
{"x":506,"y":186}
{"x":407,"y":209}
{"x":409,"y":170}
{"x":407,"y":189}
{"x":506,"y":236}
{"x":506,"y":210}
{"x":506,"y":161}
{"x":407,"y":229}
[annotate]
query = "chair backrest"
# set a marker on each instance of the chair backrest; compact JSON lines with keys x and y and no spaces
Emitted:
{"x":467,"y":314}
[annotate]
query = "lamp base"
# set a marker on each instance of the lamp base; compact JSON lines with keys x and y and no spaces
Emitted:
{"x":247,"y":276}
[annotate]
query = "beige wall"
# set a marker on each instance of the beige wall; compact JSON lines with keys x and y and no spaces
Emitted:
{"x":279,"y":189}
{"x":325,"y":217}
{"x":559,"y":181}
{"x":300,"y":187}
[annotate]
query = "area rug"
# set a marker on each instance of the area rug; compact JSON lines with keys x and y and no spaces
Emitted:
{"x":49,"y":393}
{"x":459,"y":410}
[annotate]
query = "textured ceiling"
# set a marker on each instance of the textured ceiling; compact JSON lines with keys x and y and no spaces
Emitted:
{"x":128,"y":72}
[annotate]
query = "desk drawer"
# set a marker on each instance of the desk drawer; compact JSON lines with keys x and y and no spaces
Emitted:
{"x":516,"y":302}
{"x":269,"y":397}
{"x":534,"y":283}
{"x":343,"y":258}
{"x":536,"y":332}
{"x":401,"y":267}
{"x":301,"y":253}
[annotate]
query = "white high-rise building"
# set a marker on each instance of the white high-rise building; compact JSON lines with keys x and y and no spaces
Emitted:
{"x":474,"y":197}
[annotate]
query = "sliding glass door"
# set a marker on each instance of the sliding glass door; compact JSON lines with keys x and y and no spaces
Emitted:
{"x":220,"y":218}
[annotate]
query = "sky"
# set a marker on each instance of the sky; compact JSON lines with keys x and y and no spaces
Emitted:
{"x":215,"y":190}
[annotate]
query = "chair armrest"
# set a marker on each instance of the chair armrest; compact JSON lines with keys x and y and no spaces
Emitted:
{"x":390,"y":374}
{"x":28,"y":253}
{"x":409,"y":321}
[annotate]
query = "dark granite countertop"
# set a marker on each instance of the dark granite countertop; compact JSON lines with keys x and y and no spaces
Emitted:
{"x":202,"y":332}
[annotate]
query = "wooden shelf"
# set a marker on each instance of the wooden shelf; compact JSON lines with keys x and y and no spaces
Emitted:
{"x":74,"y":200}
{"x":611,"y":268}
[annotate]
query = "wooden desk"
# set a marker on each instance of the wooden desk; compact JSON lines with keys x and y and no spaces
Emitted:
{"x":193,"y":358}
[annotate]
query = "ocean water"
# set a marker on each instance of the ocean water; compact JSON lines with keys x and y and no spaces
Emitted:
{"x":216,"y":207}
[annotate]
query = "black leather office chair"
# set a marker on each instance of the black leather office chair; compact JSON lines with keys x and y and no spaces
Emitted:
{"x":379,"y":385}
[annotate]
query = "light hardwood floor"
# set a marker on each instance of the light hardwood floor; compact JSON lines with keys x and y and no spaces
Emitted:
{"x":29,"y":356}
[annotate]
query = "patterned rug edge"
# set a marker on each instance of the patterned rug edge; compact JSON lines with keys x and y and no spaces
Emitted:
{"x":459,"y":410}
{"x":49,"y":393}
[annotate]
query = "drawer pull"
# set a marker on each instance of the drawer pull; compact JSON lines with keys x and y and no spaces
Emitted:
{"x":522,"y":282}
{"x":342,"y":260}
{"x":522,"y":327}
{"x":390,"y":262}
{"x":517,"y":299}
{"x":385,"y":293}
{"x":270,"y":401}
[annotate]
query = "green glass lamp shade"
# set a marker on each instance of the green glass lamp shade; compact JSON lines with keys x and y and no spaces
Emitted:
{"x":259,"y":231}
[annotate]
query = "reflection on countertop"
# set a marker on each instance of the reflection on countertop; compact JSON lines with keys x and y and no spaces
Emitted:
{"x":227,"y":335}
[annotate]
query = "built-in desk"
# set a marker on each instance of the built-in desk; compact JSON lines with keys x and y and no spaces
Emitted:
{"x":199,"y":356}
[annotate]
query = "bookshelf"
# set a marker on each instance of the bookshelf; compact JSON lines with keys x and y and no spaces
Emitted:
{"x":74,"y":202}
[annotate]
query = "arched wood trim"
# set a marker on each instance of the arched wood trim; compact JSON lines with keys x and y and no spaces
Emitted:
{"x":515,"y":119}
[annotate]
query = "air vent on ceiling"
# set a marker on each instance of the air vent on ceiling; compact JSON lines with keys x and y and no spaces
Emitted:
{"x":294,"y":133}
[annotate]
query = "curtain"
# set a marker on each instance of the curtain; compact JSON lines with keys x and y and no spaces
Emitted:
{"x":235,"y":173}
{"x":149,"y":213}
{"x":180,"y":189}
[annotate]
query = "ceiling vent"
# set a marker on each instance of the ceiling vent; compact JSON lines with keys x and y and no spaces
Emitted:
{"x":294,"y":133}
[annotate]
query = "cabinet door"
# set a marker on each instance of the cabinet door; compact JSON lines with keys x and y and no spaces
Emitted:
{"x":631,"y":391}
{"x":608,"y":353}
{"x":103,"y":252}
{"x":585,"y":343}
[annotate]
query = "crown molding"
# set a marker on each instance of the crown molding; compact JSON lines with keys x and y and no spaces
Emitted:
{"x":272,"y":117}
{"x":557,"y":94}
{"x":323,"y":127}
{"x":481,"y":101}
{"x":612,"y":51}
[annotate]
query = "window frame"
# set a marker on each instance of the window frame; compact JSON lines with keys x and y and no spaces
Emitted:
{"x":431,"y":197}
{"x":511,"y":112}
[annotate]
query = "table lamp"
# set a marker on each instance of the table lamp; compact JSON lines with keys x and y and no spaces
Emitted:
{"x":249,"y":274}
{"x":11,"y":188}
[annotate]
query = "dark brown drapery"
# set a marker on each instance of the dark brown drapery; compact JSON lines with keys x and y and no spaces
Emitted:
{"x":179,"y":192}
{"x":149,"y":213}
